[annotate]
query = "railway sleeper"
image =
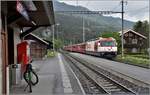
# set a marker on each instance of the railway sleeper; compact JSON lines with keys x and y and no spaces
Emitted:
{"x":99,"y":80}
{"x":106,"y":85}
{"x":96,"y":90}
{"x":93,"y":87}
{"x":109,"y":87}
{"x":114,"y":90}
{"x":104,"y":82}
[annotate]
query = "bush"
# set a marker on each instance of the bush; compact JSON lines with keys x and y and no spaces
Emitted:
{"x":51,"y":53}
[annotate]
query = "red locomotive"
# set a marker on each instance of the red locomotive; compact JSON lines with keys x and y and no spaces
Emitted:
{"x":104,"y":47}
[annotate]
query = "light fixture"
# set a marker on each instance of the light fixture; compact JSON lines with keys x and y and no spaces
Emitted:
{"x":21,"y":30}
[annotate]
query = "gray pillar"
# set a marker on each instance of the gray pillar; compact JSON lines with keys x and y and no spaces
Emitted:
{"x":53,"y":27}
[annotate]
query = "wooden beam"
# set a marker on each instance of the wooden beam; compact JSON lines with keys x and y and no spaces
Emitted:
{"x":28,"y":31}
{"x":13,"y":18}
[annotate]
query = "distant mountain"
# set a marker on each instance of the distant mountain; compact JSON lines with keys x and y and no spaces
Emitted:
{"x":71,"y":24}
{"x":65,"y":7}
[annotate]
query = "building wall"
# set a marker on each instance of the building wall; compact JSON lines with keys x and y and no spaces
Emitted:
{"x":15,"y":77}
{"x":38,"y":50}
{"x":133,"y":43}
{"x":0,"y":60}
{"x":3,"y":54}
{"x":16,"y":41}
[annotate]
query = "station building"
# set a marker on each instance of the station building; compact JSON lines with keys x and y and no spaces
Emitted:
{"x":38,"y":46}
{"x":16,"y":15}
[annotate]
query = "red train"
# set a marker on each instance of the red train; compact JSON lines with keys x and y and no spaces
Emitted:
{"x":104,"y":47}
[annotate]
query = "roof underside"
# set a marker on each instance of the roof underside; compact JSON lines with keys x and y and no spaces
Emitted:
{"x":42,"y":16}
{"x":36,"y":37}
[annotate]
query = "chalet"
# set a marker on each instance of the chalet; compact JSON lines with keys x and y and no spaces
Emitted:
{"x":38,"y":46}
{"x":134,"y":42}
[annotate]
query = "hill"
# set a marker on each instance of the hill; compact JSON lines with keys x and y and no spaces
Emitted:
{"x":71,"y":25}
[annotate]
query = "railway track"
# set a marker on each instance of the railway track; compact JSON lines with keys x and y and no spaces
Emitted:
{"x":90,"y":87}
{"x":98,"y":82}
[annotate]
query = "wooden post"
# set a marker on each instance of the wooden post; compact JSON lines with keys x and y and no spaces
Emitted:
{"x":0,"y":56}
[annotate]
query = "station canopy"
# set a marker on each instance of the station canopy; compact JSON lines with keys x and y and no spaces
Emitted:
{"x":28,"y":13}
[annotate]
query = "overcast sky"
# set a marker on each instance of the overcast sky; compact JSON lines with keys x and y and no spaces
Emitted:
{"x":134,"y":9}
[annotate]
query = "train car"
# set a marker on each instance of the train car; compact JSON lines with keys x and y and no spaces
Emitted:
{"x":74,"y":48}
{"x":108,"y":47}
{"x":104,"y":47}
{"x":91,"y":47}
{"x":80,"y":48}
{"x":67,"y":48}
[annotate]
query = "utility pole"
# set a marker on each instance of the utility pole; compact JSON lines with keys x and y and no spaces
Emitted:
{"x":57,"y":25}
{"x":149,"y":38}
{"x":122,"y":41}
{"x":57,"y":32}
{"x":53,"y":27}
{"x":83,"y":30}
{"x":71,"y":44}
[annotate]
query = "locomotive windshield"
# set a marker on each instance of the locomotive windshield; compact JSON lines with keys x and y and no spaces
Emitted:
{"x":108,"y":43}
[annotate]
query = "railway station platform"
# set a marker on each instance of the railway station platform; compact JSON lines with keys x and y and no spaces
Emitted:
{"x":55,"y":78}
{"x":126,"y":71}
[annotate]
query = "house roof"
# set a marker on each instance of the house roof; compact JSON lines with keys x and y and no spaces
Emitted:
{"x":130,"y":30}
{"x":40,"y":39}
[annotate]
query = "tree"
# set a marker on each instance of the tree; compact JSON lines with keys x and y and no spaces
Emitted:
{"x":58,"y":44}
{"x":142,"y":28}
{"x":115,"y":35}
{"x":145,"y":27}
{"x":138,"y":26}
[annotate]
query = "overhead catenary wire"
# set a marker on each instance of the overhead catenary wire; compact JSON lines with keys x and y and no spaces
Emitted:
{"x":123,"y":2}
{"x":116,"y":7}
{"x":136,"y":12}
{"x":102,"y":0}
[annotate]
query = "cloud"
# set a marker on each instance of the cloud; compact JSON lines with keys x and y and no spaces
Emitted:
{"x":134,"y":10}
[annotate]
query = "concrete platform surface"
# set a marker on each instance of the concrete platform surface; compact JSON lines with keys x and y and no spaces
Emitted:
{"x":139,"y":73}
{"x":54,"y":79}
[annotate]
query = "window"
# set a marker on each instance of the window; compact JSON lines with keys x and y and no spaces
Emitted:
{"x":107,"y":43}
{"x":130,"y":40}
{"x":134,"y":41}
{"x":126,"y":35}
{"x":130,"y":34}
{"x":141,"y":38}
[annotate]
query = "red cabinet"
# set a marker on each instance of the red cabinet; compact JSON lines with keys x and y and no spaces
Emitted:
{"x":23,"y":54}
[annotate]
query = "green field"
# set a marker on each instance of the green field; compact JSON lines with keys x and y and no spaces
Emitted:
{"x":135,"y":59}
